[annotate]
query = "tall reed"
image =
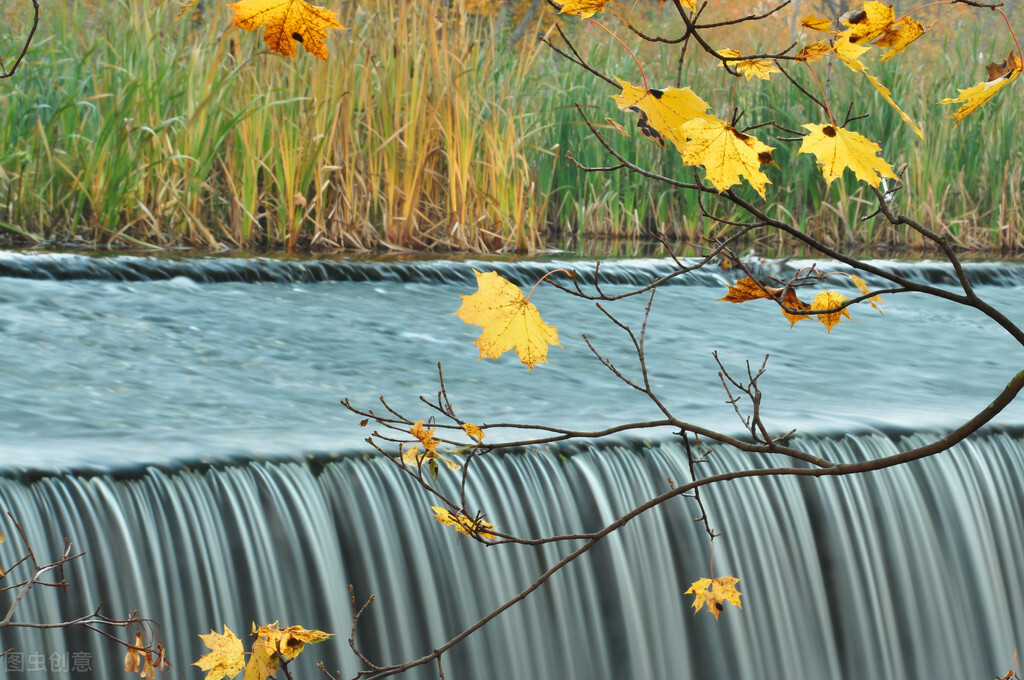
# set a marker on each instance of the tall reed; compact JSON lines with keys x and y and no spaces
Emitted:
{"x":427,"y":130}
{"x":129,"y":128}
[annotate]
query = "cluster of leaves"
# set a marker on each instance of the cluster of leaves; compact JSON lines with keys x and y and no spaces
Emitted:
{"x":828,"y":306}
{"x":145,"y":661}
{"x":272,"y":646}
{"x":728,"y":154}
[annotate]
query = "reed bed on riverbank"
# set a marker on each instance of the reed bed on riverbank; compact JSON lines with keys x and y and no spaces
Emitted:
{"x":130,"y":128}
{"x":126,"y":128}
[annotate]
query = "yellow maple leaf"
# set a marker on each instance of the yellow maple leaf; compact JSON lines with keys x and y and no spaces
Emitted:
{"x":818,"y":24}
{"x":508,"y":320}
{"x":288,"y":642}
{"x":814,"y":51}
{"x":263,"y":662}
{"x":829,"y":299}
{"x":473,"y":431}
{"x":662,"y":111}
{"x":837,"y":148}
{"x":186,"y":7}
{"x":583,"y":8}
{"x":714,"y":593}
{"x":464,"y":525}
{"x":226,"y":659}
{"x":868,"y":23}
{"x":426,"y":437}
{"x":898,"y":36}
{"x":849,"y":53}
{"x":760,"y":68}
{"x":287,"y":22}
{"x":862,"y":286}
{"x":973,"y":98}
{"x":726,"y":153}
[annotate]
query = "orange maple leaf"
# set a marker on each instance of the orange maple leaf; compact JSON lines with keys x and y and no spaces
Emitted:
{"x":747,"y":289}
{"x":287,"y":22}
{"x":508,"y":320}
{"x":744,"y":290}
{"x":714,"y":593}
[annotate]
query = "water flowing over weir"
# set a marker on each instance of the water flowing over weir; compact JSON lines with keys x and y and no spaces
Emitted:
{"x":911,"y":573}
{"x":181,"y":425}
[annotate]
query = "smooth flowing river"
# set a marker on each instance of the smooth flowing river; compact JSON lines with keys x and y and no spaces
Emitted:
{"x":180,"y":421}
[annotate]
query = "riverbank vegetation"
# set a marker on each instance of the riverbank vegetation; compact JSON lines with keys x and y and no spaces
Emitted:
{"x":127,"y":129}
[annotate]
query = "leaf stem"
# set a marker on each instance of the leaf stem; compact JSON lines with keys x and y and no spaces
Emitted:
{"x":541,"y":279}
{"x":609,"y":32}
{"x":1020,"y":54}
{"x":824,"y":97}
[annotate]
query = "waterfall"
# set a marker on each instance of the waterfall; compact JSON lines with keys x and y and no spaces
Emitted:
{"x":912,"y":572}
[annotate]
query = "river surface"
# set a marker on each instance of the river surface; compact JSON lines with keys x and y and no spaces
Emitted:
{"x":122,"y":376}
{"x":100,"y":372}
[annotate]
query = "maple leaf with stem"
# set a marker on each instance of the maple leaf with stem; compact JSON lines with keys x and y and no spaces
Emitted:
{"x":726,"y":153}
{"x":662,"y":111}
{"x":837,"y":148}
{"x":287,"y":22}
{"x":714,"y":593}
{"x":226,"y":658}
{"x":508,"y":320}
{"x":973,"y":98}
